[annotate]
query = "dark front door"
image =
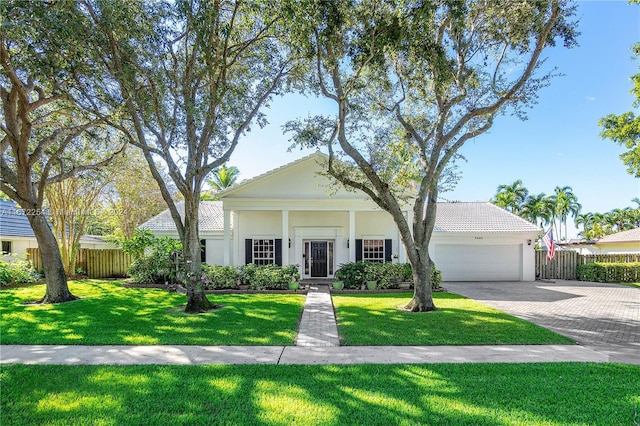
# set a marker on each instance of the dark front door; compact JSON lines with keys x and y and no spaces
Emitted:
{"x":318,"y":258}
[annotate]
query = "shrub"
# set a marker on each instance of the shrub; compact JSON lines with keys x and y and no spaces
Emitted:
{"x":17,"y":271}
{"x":247,"y":272}
{"x":392,"y":274}
{"x":352,"y":274}
{"x":292,"y":272}
{"x":436,"y":278}
{"x":609,"y":272}
{"x":388,"y":275}
{"x":155,"y":269}
{"x":216,"y":277}
{"x":272,"y":277}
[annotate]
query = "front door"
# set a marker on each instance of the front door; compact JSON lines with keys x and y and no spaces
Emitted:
{"x":318,"y":258}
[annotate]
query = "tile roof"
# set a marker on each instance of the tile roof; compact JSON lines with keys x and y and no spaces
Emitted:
{"x":479,"y":217}
{"x":632,"y":235}
{"x":451,"y":217}
{"x":15,"y":224}
{"x":210,"y":217}
{"x":12,"y":222}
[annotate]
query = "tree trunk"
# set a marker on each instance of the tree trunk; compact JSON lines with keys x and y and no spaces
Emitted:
{"x":422,"y":300}
{"x":421,"y":263}
{"x":57,"y":290}
{"x":197,"y":301}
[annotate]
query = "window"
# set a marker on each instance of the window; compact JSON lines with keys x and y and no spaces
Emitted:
{"x":373,"y":251}
{"x":203,"y":251}
{"x":6,"y":247}
{"x":264,"y":252}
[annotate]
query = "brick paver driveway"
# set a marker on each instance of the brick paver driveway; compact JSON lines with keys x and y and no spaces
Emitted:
{"x":594,"y":314}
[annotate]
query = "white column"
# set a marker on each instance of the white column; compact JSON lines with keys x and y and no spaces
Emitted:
{"x":352,"y":236}
{"x":285,"y":237}
{"x":227,"y":237}
{"x":235,"y":242}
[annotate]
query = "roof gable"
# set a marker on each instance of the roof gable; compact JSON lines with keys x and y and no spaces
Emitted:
{"x":300,"y":180}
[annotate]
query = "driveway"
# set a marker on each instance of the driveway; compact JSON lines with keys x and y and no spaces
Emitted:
{"x":605,"y":317}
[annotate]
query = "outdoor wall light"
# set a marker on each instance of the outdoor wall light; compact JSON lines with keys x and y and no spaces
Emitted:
{"x":347,"y":243}
{"x":528,"y":242}
{"x":290,"y":242}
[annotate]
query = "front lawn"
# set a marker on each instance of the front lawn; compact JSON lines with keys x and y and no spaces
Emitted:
{"x":375,"y":319}
{"x":109,"y":314}
{"x":437,"y":394}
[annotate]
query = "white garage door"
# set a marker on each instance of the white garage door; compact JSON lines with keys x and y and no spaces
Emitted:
{"x":478,"y":263}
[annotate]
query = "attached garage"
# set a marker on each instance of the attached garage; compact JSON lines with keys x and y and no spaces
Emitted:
{"x":479,"y":262}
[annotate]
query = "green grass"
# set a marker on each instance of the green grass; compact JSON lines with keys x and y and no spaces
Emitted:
{"x":109,"y":314}
{"x":440,"y":394}
{"x":636,"y":285}
{"x":376,"y":319}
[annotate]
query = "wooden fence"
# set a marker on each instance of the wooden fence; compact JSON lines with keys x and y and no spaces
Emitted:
{"x":97,"y":263}
{"x":565,"y":263}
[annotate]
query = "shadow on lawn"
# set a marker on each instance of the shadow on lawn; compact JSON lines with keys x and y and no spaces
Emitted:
{"x":110,"y":314}
{"x":331,"y":395}
{"x":377,"y":320}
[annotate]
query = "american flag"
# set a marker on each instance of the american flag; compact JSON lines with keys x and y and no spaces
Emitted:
{"x":548,"y":241}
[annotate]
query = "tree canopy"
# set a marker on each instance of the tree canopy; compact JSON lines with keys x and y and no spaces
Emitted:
{"x":193,"y":77}
{"x":624,"y":129}
{"x":45,"y":128}
{"x":411,"y":83}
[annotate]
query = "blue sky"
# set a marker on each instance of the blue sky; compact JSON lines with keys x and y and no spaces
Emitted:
{"x":558,"y":145}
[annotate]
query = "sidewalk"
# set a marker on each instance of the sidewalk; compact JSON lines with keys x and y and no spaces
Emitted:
{"x":317,"y":343}
{"x":311,"y":355}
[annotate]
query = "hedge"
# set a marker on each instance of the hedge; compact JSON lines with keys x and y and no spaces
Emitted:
{"x":609,"y":272}
{"x":268,"y":277}
{"x":387,"y":275}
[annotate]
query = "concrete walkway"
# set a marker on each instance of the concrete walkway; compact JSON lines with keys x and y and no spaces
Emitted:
{"x":311,"y":355}
{"x":318,"y":341}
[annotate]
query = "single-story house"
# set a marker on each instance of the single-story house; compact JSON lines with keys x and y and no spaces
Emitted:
{"x":294,"y":215}
{"x":619,"y":243}
{"x":16,"y":235}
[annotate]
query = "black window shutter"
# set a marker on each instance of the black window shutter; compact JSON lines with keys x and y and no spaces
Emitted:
{"x":358,"y":250}
{"x":387,"y":250}
{"x":278,"y":251}
{"x":248,"y":251}
{"x":203,"y":251}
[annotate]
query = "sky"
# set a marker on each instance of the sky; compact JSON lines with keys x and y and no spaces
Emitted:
{"x":558,"y":145}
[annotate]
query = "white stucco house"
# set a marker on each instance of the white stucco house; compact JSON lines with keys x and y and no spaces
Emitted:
{"x":624,"y":242}
{"x":291,"y":215}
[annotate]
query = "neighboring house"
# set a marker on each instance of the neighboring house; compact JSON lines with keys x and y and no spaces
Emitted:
{"x":293,"y":215}
{"x":618,"y":243}
{"x":17,"y":236}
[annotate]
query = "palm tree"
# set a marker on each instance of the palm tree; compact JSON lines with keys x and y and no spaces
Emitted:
{"x":593,"y":225}
{"x":511,"y":197}
{"x":566,"y":203}
{"x":538,"y":208}
{"x":221,"y":178}
{"x":616,"y":218}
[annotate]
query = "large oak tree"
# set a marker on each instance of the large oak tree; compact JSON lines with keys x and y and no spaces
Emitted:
{"x":420,"y":78}
{"x":193,"y":76}
{"x":44,"y":126}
